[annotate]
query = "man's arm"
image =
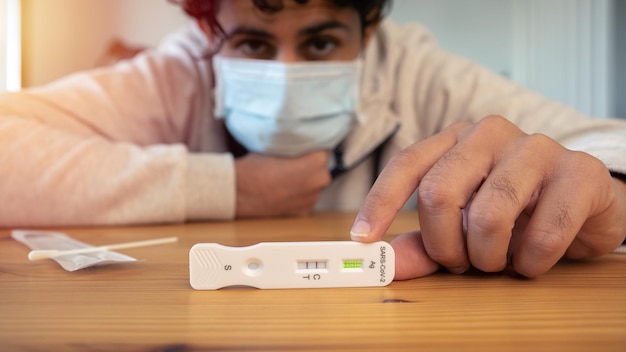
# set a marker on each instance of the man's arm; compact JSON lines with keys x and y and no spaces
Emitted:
{"x":521,"y":189}
{"x":110,"y":147}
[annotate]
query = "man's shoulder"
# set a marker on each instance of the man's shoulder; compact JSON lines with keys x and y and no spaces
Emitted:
{"x":186,"y":41}
{"x":393,"y":43}
{"x":403,"y":34}
{"x":394,"y":46}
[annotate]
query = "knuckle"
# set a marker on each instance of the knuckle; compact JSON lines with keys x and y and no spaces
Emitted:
{"x":493,"y":123}
{"x":550,"y":238}
{"x":433,"y":193}
{"x":577,"y":165}
{"x":506,"y":188}
{"x":317,"y":179}
{"x":436,"y":190}
{"x":539,"y":142}
{"x":539,"y":254}
{"x":488,"y":224}
{"x":488,"y":228}
{"x":452,"y":160}
{"x":493,"y":119}
{"x":586,"y":165}
{"x":325,"y":179}
{"x":545,"y":243}
{"x":562,"y":219}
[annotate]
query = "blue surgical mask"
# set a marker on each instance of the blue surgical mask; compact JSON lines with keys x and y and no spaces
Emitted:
{"x":286,"y":109}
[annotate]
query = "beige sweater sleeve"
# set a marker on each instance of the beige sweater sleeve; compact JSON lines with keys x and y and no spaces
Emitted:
{"x":112,"y":147}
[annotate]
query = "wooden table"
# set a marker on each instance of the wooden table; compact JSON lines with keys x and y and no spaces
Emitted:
{"x":149,"y":305}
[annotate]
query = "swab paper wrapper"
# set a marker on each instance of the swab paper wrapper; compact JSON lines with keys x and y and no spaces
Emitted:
{"x":59,"y":241}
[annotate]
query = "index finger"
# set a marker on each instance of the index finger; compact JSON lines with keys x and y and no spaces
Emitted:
{"x":397,"y":182}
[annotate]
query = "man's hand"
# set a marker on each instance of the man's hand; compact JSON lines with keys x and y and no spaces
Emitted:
{"x":272,"y":186}
{"x":489,"y":196}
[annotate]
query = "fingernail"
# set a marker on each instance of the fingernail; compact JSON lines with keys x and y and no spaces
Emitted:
{"x":457,"y":271}
{"x":360,"y":230}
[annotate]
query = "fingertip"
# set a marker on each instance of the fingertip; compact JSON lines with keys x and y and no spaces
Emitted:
{"x":361,"y":231}
{"x":371,"y":223}
{"x":527,"y":271}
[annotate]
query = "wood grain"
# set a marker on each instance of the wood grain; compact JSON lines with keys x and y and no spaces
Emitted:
{"x":149,"y":305}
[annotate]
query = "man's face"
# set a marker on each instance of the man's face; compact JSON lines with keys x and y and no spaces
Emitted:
{"x":315,"y":31}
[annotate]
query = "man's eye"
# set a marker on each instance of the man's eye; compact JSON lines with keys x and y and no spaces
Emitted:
{"x":321,"y":47}
{"x":255,"y":49}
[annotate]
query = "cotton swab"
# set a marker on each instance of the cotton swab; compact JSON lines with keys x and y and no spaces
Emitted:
{"x":40,"y":254}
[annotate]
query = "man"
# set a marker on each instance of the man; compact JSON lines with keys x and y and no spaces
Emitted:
{"x":270,"y":108}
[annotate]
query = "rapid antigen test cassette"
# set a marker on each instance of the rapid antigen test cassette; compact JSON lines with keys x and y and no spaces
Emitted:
{"x":272,"y":265}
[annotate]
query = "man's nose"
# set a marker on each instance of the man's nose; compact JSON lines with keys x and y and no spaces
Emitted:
{"x":288,"y":56}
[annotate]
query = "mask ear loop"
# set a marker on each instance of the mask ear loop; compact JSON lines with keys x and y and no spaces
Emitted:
{"x":214,"y":46}
{"x":218,"y":90}
{"x":361,"y":118}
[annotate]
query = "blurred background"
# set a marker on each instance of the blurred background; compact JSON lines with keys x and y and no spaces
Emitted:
{"x":573,"y":51}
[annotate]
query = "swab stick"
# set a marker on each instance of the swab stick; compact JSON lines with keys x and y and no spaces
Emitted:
{"x":39,"y":254}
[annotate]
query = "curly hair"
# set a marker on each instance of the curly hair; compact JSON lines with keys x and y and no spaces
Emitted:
{"x":370,"y":11}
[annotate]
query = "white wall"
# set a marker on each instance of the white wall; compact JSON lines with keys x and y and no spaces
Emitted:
{"x":619,"y":58}
{"x":560,"y":48}
{"x":10,"y":76}
{"x":566,"y":56}
{"x":480,"y":30}
{"x":63,"y":36}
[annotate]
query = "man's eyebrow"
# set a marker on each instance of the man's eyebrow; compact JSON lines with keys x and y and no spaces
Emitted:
{"x":322,"y":27}
{"x":252,"y":31}
{"x":312,"y":30}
